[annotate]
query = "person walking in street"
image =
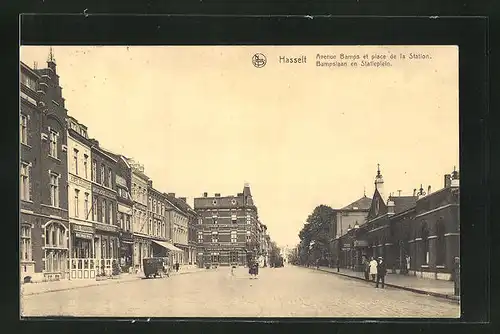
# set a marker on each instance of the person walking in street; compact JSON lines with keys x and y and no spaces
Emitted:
{"x":373,"y":269}
{"x":381,"y":272}
{"x":338,"y":265}
{"x":366,"y":264}
{"x":176,"y":266}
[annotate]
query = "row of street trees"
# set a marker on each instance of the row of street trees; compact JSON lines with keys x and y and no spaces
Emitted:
{"x":315,"y":236}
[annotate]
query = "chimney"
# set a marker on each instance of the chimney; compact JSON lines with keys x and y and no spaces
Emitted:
{"x":217,"y":195}
{"x":455,"y":179}
{"x":390,"y":205}
{"x":183,"y":199}
{"x":205,"y":194}
{"x":150,"y":183}
{"x":428,"y":190}
{"x":447,"y":180}
{"x":414,"y":192}
{"x":171,"y":194}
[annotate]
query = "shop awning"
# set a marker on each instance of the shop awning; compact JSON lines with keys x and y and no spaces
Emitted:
{"x":167,"y":245}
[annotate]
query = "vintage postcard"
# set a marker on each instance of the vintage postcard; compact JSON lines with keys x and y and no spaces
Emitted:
{"x":239,"y":181}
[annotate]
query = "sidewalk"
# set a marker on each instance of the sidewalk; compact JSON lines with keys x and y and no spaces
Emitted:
{"x":436,"y":288}
{"x":62,"y":285}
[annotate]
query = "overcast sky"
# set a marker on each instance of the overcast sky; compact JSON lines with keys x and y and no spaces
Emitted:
{"x":204,"y":119}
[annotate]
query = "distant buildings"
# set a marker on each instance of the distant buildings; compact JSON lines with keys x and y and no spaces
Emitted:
{"x":229,"y":229}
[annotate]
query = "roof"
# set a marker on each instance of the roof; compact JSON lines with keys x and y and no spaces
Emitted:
{"x":403,"y":203}
{"x":179,"y":203}
{"x":364,"y":203}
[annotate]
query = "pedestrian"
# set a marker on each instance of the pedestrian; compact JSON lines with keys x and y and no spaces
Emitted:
{"x":317,"y":264}
{"x":176,"y":266}
{"x":407,"y":264}
{"x":338,"y":265}
{"x":381,"y":272}
{"x":366,"y":268}
{"x":373,"y":268}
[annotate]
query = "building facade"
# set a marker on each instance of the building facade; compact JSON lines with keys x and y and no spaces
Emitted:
{"x":44,"y":225}
{"x":160,"y":230}
{"x":416,"y":235}
{"x":227,"y":228}
{"x":82,"y":231}
{"x":142,"y":241}
{"x":104,"y":208}
{"x":190,"y":247}
{"x":178,"y":219}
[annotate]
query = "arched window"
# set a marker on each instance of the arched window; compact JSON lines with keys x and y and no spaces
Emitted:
{"x":440,"y":243}
{"x":425,"y":244}
{"x":56,"y":245}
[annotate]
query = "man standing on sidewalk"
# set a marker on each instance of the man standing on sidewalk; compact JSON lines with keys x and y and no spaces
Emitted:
{"x":381,"y":272}
{"x":373,"y":268}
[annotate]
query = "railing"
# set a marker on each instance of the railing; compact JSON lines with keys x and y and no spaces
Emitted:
{"x":89,"y":268}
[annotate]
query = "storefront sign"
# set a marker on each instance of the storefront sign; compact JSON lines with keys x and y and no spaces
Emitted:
{"x":79,"y":181}
{"x":346,"y":249}
{"x":124,"y":209}
{"x":83,"y":235}
{"x":360,"y":243}
{"x":107,"y":228}
{"x":347,"y":245}
{"x":82,"y":228}
{"x":104,"y":192}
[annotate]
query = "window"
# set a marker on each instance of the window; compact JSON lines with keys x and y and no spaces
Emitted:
{"x":200,"y":237}
{"x":85,"y":165}
{"x":23,"y":129}
{"x":75,"y":160}
{"x":103,"y":211}
{"x":425,"y":245}
{"x":128,"y":227}
{"x":249,"y":237}
{"x":28,"y":81}
{"x":53,"y":144}
{"x":110,"y":178}
{"x":234,"y":236}
{"x":77,"y":199}
{"x":214,"y":219}
{"x":150,"y":226}
{"x":440,"y":244}
{"x":94,"y":208}
{"x":55,"y":258}
{"x":154,"y":205}
{"x":249,"y":219}
{"x":25,"y":182}
{"x":103,"y":173}
{"x":233,"y":218}
{"x":94,"y":170}
{"x":150,"y":204}
{"x":162,"y":209}
{"x":120,"y":220}
{"x":158,"y":228}
{"x":86,"y":206}
{"x":25,"y":253}
{"x":215,"y":236}
{"x":54,"y":189}
{"x":110,"y":213}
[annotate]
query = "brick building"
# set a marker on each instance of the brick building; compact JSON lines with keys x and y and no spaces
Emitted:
{"x":44,"y":233}
{"x":227,"y":229}
{"x":423,"y":228}
{"x":104,"y":205}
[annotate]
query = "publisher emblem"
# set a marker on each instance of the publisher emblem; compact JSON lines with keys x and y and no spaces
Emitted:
{"x":259,"y":60}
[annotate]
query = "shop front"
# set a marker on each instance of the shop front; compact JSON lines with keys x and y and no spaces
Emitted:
{"x":82,"y":262}
{"x":142,"y":248}
{"x":106,"y":245}
{"x":126,"y":251}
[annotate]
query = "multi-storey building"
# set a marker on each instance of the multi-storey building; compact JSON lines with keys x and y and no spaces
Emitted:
{"x":140,"y":227}
{"x":125,"y":204}
{"x":106,"y":242}
{"x":178,"y":219}
{"x":159,"y":222}
{"x":188,"y":243}
{"x":44,"y":233}
{"x":82,"y":230}
{"x":227,"y":229}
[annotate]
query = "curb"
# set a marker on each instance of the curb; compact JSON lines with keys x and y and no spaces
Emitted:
{"x":422,"y":292}
{"x":91,"y":285}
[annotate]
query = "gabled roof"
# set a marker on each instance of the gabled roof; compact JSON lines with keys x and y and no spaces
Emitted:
{"x":180,"y":204}
{"x":364,"y":203}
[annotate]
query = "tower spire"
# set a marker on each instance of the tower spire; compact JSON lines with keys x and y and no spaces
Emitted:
{"x":51,"y":56}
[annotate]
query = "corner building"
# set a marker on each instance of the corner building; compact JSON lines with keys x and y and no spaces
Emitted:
{"x":227,"y":228}
{"x":44,"y":232}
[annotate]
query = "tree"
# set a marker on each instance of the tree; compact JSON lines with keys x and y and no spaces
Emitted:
{"x":315,"y":235}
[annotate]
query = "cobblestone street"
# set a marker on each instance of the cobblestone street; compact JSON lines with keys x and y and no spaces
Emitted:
{"x":280,"y":292}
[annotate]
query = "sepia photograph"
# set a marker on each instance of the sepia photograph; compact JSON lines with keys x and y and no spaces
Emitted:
{"x":239,"y":181}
